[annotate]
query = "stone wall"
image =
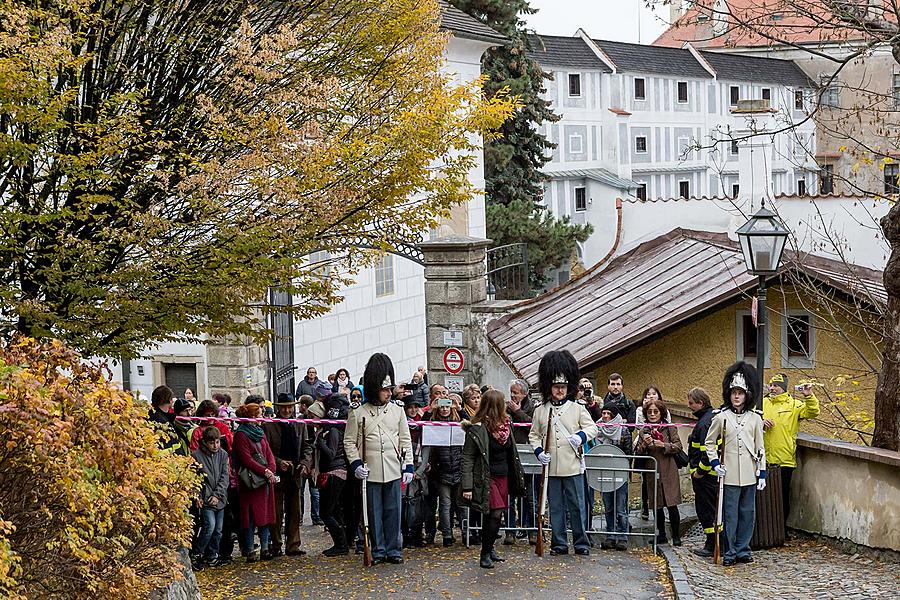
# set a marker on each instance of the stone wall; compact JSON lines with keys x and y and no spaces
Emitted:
{"x":846,"y":491}
{"x":185,"y":588}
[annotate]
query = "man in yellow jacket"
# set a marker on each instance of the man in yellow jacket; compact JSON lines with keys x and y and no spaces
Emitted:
{"x":781,"y":421}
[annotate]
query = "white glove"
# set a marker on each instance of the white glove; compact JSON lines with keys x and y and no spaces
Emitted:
{"x":362,"y":472}
{"x":720,"y":470}
{"x":407,"y":478}
{"x":544,"y":458}
{"x":761,"y":484}
{"x":575,"y":440}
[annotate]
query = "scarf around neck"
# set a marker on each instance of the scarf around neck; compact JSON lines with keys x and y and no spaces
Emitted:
{"x":252,"y":431}
{"x":611,"y":431}
{"x":501,"y":433}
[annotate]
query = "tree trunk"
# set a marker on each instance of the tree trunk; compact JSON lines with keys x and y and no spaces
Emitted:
{"x":887,"y":394}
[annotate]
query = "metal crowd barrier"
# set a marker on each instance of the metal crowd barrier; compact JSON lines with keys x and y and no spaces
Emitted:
{"x":607,"y":469}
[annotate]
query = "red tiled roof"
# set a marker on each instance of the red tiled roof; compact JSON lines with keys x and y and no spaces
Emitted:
{"x":750,"y":21}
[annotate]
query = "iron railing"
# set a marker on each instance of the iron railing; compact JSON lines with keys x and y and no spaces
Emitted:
{"x":507,"y":272}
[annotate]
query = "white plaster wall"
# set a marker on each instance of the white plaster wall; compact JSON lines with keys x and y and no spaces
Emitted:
{"x":814,"y":222}
{"x":146,"y":382}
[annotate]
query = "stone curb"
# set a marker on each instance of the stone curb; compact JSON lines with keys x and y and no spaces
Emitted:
{"x":677,"y":573}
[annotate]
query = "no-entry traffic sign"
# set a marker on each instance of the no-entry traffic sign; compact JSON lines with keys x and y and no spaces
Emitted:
{"x":453,"y":360}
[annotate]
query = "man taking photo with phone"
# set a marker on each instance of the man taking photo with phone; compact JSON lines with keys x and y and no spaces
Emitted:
{"x":781,"y":421}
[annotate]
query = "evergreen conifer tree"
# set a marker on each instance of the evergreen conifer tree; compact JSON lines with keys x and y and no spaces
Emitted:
{"x":514,"y":181}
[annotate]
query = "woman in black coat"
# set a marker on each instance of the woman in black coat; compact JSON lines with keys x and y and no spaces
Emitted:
{"x":332,"y":463}
{"x":490,"y":470}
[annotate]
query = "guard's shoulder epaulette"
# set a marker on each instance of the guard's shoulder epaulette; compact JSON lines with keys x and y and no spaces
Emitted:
{"x":354,"y":405}
{"x":758,"y":411}
{"x":398,"y":402}
{"x":717,"y":410}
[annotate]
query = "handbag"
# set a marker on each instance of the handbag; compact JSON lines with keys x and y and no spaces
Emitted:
{"x":252,"y":479}
{"x":681,"y":459}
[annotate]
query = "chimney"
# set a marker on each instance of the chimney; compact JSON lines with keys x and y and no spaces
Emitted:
{"x":755,"y":119}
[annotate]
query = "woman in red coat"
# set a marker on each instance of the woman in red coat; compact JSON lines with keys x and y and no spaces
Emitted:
{"x":251,"y":451}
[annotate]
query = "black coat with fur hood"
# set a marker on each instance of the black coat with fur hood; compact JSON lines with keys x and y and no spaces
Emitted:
{"x":475,"y":469}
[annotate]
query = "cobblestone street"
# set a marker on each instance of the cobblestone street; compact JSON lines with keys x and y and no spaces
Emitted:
{"x":442,"y":573}
{"x":803,"y":568}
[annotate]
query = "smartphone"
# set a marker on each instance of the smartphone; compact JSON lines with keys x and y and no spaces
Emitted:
{"x":801,"y":387}
{"x":445,"y":402}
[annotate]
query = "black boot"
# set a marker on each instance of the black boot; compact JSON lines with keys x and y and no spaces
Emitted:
{"x":485,"y":562}
{"x":496,"y":557}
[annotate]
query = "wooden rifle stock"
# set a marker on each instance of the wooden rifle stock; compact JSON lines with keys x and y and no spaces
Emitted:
{"x":545,"y":474}
{"x":367,"y":549}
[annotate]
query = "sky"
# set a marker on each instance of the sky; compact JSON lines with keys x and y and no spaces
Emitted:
{"x":615,"y":20}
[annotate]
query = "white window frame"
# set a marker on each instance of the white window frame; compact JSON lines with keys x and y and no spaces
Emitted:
{"x":762,"y":94}
{"x":646,"y":144}
{"x":799,"y":95}
{"x":642,"y":185}
{"x":734,"y":87}
{"x":634,"y":89}
{"x":687,"y":92}
{"x":795,"y":362}
{"x":385,"y":276}
{"x":735,"y":190}
{"x":688,"y":182}
{"x":575,"y":191}
{"x":801,"y":181}
{"x":830,"y":95}
{"x":572,"y":138}
{"x":733,"y":148}
{"x":569,"y":77}
{"x":686,"y":151}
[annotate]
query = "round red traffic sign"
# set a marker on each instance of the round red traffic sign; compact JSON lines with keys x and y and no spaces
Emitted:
{"x":453,"y":360}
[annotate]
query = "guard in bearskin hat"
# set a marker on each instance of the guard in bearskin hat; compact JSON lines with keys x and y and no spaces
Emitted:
{"x":570,"y":427}
{"x":380,"y":425}
{"x":743,"y":461}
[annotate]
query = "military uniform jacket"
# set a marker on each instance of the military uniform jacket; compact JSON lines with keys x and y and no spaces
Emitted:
{"x":745,"y":452}
{"x":574,"y":420}
{"x":388,"y":443}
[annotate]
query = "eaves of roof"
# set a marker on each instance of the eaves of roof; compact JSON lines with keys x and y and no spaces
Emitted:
{"x":463,"y":25}
{"x":601,"y":175}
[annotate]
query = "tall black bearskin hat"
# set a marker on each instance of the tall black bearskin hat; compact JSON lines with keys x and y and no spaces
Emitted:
{"x":379,"y":374}
{"x":741,"y":375}
{"x":558,"y":366}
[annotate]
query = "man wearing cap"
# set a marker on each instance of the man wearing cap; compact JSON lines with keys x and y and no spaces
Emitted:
{"x":781,"y":421}
{"x":389,"y":457}
{"x":292,"y":447}
{"x":570,"y":427}
{"x":743,"y":464}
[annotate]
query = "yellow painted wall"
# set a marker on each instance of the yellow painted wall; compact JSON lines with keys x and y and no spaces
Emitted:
{"x":697,"y":354}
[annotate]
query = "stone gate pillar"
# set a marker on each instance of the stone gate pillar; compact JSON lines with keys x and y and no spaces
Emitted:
{"x":454,"y":282}
{"x":238,"y":366}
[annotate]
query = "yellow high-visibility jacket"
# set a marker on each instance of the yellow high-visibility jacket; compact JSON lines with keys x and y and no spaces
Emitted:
{"x":781,"y":439}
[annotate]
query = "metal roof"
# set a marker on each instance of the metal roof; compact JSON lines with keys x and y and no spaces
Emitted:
{"x":559,"y":51}
{"x":757,"y":69}
{"x":658,"y":60}
{"x":601,"y":175}
{"x":660,"y":284}
{"x":465,"y":26}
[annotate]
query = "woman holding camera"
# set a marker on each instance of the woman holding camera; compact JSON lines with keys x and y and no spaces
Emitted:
{"x":490,"y":469}
{"x":662,"y":443}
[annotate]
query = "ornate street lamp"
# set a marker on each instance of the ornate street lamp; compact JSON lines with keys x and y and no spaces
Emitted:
{"x":762,"y":241}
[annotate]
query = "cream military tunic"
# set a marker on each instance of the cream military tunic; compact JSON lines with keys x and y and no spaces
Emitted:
{"x":744,"y":449}
{"x":388,"y":443}
{"x":574,"y":417}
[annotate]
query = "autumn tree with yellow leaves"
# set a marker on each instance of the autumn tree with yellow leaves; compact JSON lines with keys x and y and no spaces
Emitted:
{"x":90,"y":507}
{"x":162,"y":163}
